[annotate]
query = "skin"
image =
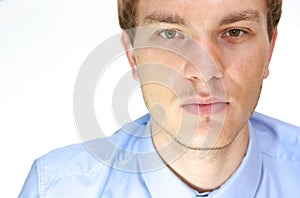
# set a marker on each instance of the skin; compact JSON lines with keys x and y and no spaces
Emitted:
{"x":220,"y":56}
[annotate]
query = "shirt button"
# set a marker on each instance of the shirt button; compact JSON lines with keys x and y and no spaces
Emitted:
{"x":203,"y":195}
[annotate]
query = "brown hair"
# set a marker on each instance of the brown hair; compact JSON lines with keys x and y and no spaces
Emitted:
{"x":127,"y":10}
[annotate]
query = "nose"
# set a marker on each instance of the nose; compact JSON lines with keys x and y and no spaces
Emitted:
{"x":202,"y":61}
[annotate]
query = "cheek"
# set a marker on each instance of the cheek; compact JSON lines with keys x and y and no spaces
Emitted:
{"x":248,"y":64}
{"x":146,"y":56}
{"x":162,"y":104}
{"x":243,"y":74}
{"x":153,"y":94}
{"x":159,"y":56}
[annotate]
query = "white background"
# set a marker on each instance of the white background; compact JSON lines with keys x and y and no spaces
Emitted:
{"x":42,"y":46}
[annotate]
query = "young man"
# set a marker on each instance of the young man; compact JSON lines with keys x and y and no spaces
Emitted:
{"x":201,"y":66}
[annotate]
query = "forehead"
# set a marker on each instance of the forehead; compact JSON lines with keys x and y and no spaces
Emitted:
{"x":202,"y":12}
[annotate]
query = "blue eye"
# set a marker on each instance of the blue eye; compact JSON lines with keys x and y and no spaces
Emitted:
{"x":170,"y":34}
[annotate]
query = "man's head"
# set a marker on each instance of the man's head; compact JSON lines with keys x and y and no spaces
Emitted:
{"x":201,"y":63}
{"x":128,"y":13}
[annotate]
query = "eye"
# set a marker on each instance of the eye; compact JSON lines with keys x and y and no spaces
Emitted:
{"x":170,"y":34}
{"x":234,"y":33}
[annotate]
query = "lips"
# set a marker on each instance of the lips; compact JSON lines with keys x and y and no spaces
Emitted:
{"x":205,"y":107}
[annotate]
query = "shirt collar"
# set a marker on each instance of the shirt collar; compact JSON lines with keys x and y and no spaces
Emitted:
{"x":243,"y":183}
{"x":159,"y":179}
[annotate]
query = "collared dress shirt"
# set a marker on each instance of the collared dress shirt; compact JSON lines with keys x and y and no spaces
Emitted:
{"x":127,"y":165}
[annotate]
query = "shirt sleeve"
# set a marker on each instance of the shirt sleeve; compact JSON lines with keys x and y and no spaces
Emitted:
{"x":31,"y":186}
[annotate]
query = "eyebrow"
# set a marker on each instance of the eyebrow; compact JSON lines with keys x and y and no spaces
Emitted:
{"x":156,"y":17}
{"x":247,"y":15}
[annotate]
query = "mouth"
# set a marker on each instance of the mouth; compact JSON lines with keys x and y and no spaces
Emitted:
{"x":205,"y":107}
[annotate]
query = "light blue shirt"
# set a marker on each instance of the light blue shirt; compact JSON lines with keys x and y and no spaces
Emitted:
{"x":126,"y":165}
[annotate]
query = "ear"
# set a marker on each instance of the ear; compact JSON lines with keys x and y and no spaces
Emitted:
{"x":126,"y":42}
{"x":270,"y":53}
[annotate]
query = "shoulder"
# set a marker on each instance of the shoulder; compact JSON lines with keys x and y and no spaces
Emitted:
{"x":266,"y":123}
{"x":278,"y":139}
{"x":66,"y":162}
{"x":95,"y":156}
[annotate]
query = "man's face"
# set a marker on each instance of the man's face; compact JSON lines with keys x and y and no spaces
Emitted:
{"x":201,"y":65}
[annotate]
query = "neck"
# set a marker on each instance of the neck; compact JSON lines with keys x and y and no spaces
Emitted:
{"x":203,"y":170}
